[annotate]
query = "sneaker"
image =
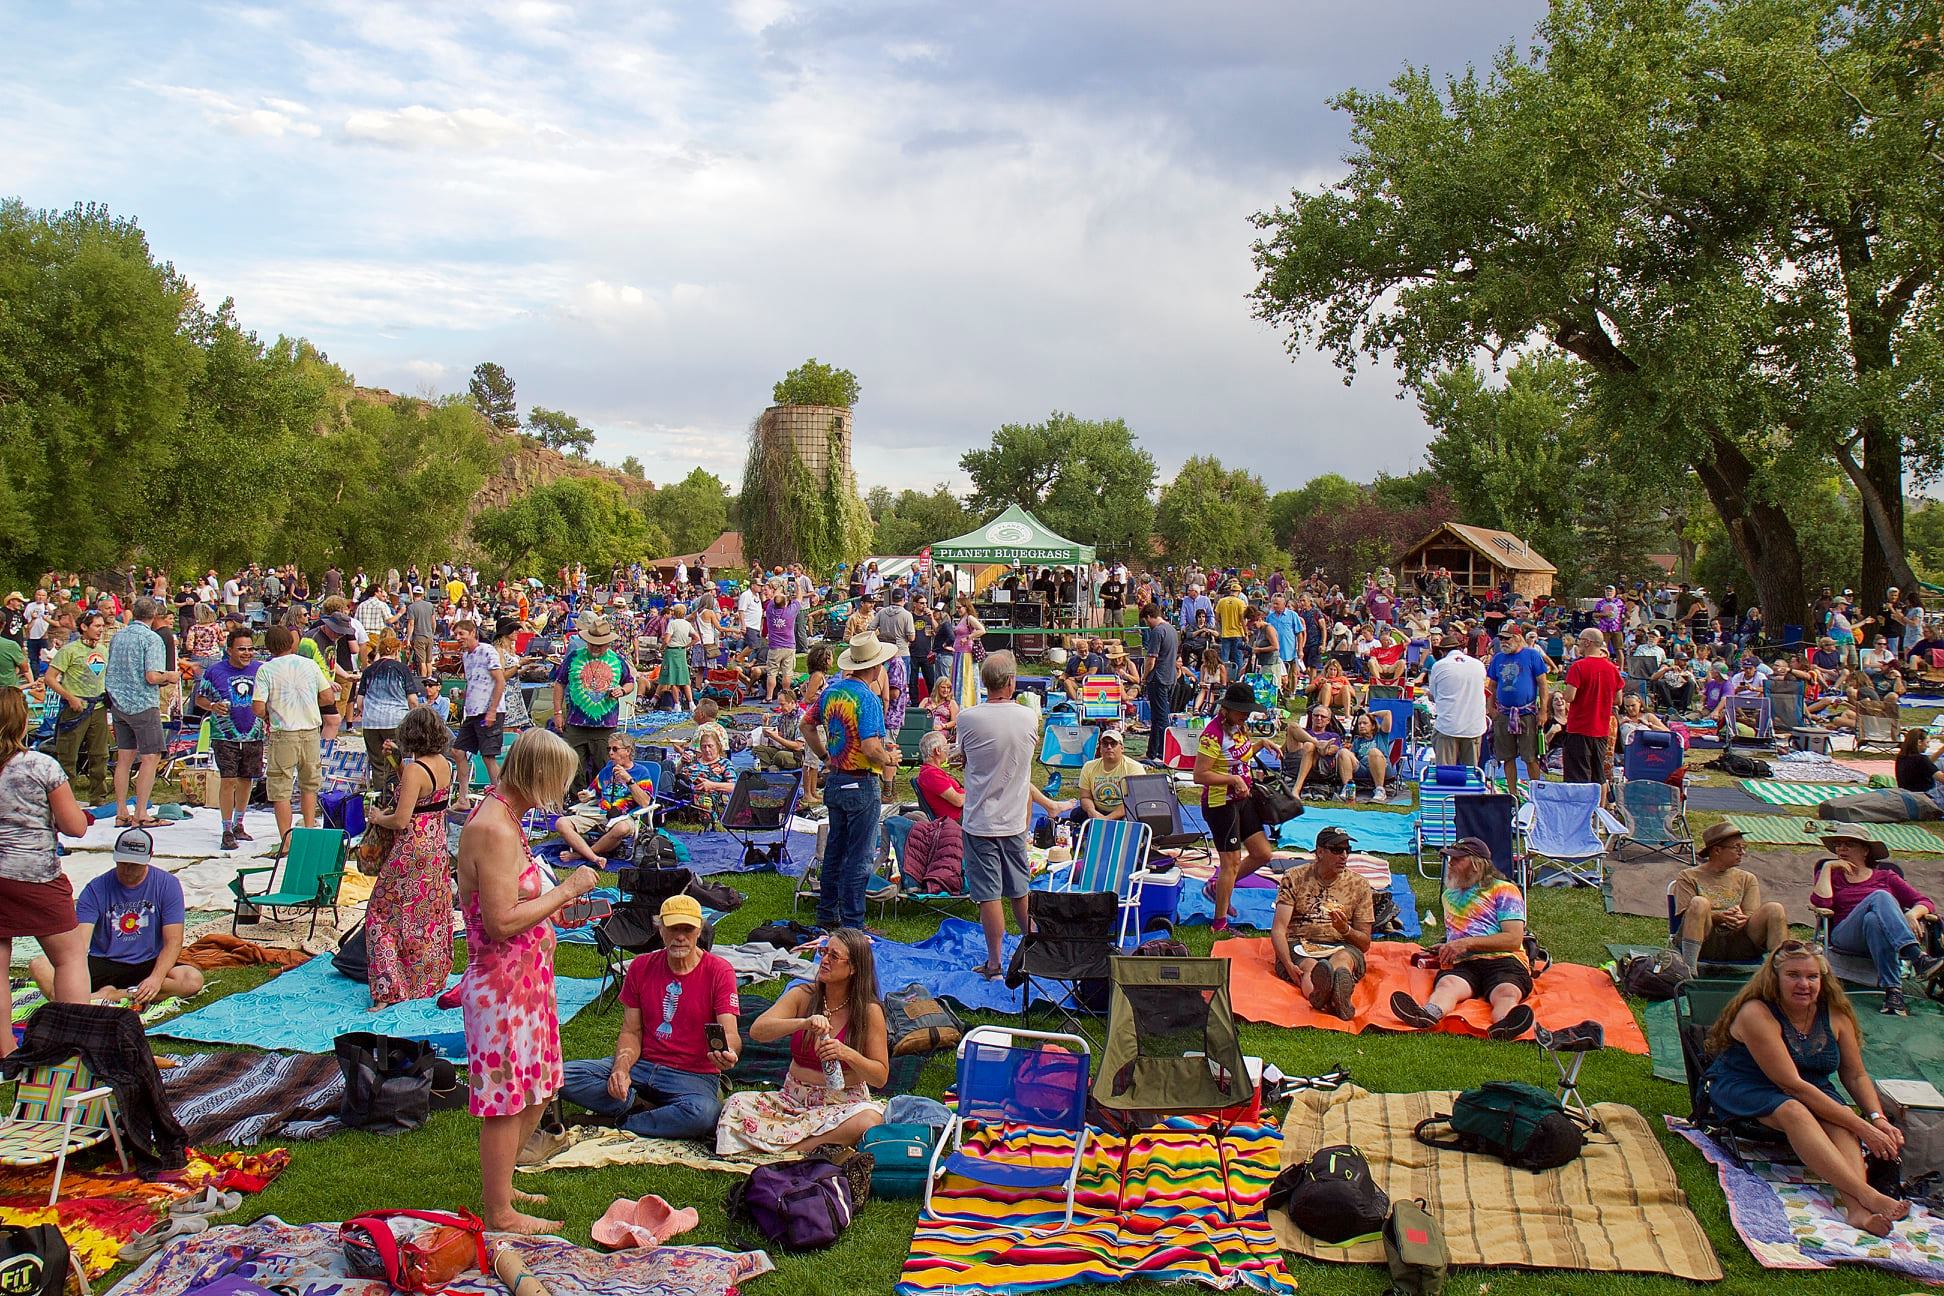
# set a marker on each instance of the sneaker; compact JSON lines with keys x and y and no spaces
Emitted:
{"x":1379,"y":795}
{"x":1321,"y":990}
{"x":1928,"y":965}
{"x":229,"y":839}
{"x":1345,"y":981}
{"x":1894,"y":1004}
{"x":540,"y":1146}
{"x":1348,"y":793}
{"x":1411,"y":1012}
{"x":1512,"y":1025}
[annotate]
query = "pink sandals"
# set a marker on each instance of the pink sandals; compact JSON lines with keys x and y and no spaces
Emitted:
{"x":645,"y":1224}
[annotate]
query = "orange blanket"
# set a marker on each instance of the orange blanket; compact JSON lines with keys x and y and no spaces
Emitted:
{"x":1565,"y":995}
{"x":222,"y":950}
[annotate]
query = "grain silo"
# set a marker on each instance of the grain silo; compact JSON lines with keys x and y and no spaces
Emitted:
{"x":816,"y":433}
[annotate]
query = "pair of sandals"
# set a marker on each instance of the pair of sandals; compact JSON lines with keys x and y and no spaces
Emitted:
{"x":146,"y":821}
{"x":641,"y":1225}
{"x":185,"y":1219}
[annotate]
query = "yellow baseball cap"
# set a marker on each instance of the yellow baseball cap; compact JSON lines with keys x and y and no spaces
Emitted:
{"x":681,"y":911}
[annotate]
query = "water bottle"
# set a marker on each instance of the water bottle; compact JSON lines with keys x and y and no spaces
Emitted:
{"x":834,"y":1074}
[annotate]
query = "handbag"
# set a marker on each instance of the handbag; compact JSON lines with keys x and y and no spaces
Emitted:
{"x":34,"y":1260}
{"x":414,"y":1250}
{"x":1275,"y":801}
{"x":387,"y":1082}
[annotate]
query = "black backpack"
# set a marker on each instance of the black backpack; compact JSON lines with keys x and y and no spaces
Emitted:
{"x":353,"y":957}
{"x":1734,"y":763}
{"x":1332,"y":1196}
{"x":784,"y":933}
{"x":1520,"y":1124}
{"x":1659,"y":975}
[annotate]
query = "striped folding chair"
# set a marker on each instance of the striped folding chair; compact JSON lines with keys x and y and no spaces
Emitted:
{"x":1112,"y":857}
{"x":1438,"y":787}
{"x":59,"y":1110}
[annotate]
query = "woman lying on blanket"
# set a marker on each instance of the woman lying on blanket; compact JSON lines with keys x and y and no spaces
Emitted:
{"x":837,"y":1018}
{"x":1484,"y":951}
{"x":1775,"y":1047}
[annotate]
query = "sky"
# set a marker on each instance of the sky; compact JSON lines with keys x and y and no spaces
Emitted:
{"x":648,"y":213}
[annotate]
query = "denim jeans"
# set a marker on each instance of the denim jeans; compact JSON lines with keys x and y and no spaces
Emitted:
{"x":686,"y":1104}
{"x":1877,"y":928}
{"x":1158,"y":693}
{"x":852,"y":802}
{"x":1235,"y":656}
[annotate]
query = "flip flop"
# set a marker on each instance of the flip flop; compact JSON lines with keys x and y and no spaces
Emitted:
{"x":151,"y":822}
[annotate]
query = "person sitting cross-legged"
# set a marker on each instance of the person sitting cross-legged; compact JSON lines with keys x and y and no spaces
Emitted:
{"x":1325,"y":913}
{"x":1723,"y":918}
{"x":620,"y":787}
{"x":132,"y":921}
{"x":666,"y":1077}
{"x":1484,"y":951}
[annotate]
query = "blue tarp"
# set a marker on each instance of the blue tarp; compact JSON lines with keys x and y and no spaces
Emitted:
{"x":1375,"y":832}
{"x":1257,"y":905}
{"x":943,"y":963}
{"x":308,"y":1007}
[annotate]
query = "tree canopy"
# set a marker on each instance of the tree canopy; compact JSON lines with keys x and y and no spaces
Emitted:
{"x":1088,"y":479}
{"x":492,"y":394}
{"x":559,"y":431}
{"x":1215,"y":515}
{"x":911,"y":519}
{"x":569,"y":520}
{"x":691,"y":513}
{"x":815,"y":383}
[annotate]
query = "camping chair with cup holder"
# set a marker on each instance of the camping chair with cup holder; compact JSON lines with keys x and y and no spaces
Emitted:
{"x":1151,"y":800}
{"x":1853,"y":969}
{"x":880,"y":889}
{"x":758,"y":816}
{"x":58,"y":1110}
{"x":1438,"y":786}
{"x":1743,"y":968}
{"x":304,"y":874}
{"x":1012,"y":1078}
{"x":1566,"y":824}
{"x":1492,"y":817}
{"x":1697,"y":1005}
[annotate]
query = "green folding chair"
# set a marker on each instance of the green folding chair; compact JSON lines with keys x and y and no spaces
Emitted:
{"x":312,"y":862}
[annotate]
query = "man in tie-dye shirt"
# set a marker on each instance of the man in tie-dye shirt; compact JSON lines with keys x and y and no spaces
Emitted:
{"x":1484,"y":951}
{"x":850,"y":738}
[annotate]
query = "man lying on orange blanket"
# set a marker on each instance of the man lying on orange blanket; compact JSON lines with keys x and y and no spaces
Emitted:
{"x":1484,"y":950}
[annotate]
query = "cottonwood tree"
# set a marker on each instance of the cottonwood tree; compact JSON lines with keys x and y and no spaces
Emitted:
{"x":1088,"y":479}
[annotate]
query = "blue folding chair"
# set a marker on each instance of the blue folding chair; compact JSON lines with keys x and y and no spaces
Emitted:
{"x":1409,"y":762}
{"x":1566,"y":824}
{"x":1656,"y":818}
{"x":1011,"y":1077}
{"x":1112,"y":857}
{"x":1438,"y":787}
{"x":1068,"y":746}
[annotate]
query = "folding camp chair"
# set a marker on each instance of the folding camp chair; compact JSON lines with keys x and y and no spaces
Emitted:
{"x":1068,"y":746}
{"x":1112,"y":857}
{"x":1407,"y":757}
{"x":880,"y":889}
{"x":1785,"y":711}
{"x":1068,"y":948}
{"x":632,"y":928}
{"x":1656,"y":817}
{"x":760,"y":807}
{"x":1697,"y":1005}
{"x":58,"y":1110}
{"x":1172,"y":1043}
{"x":1009,"y":1077}
{"x":1492,"y":817}
{"x":1151,"y":800}
{"x":1565,"y":823}
{"x":1744,"y":968}
{"x":1437,"y":786}
{"x":187,"y":753}
{"x":1853,"y":968}
{"x":1101,"y":699}
{"x":312,"y":862}
{"x":1653,"y":755}
{"x":1179,"y":744}
{"x":1756,"y":705}
{"x":1878,"y":726}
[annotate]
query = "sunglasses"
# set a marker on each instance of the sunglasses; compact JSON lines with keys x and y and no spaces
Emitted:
{"x":1789,"y":947}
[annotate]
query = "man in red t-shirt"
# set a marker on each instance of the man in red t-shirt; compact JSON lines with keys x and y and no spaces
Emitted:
{"x":1593,"y":685}
{"x":665,"y":1080}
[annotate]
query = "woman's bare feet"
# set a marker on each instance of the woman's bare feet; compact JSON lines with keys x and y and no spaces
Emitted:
{"x":1867,"y":1218}
{"x":515,"y":1222}
{"x":538,"y":1199}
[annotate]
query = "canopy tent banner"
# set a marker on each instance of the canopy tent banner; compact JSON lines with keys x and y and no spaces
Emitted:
{"x":1013,"y":536}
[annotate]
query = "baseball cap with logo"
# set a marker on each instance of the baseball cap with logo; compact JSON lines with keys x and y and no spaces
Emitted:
{"x":134,"y":846}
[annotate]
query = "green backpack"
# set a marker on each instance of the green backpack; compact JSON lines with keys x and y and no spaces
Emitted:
{"x":1520,"y":1124}
{"x":1414,"y":1248}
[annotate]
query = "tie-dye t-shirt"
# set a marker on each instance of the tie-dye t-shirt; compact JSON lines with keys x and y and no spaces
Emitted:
{"x":850,"y":714}
{"x":1483,"y":911}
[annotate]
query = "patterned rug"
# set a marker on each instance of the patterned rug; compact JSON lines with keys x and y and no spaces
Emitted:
{"x":1175,"y":1204}
{"x":1788,"y":830}
{"x":1789,"y":1223}
{"x":1784,"y":792}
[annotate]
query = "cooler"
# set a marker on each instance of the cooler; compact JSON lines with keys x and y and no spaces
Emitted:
{"x":1249,"y":1112}
{"x":1160,"y":893}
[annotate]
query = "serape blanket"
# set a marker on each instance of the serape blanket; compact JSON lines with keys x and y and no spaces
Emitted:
{"x":1788,"y":830}
{"x":242,"y":1098}
{"x":1177,"y":1203}
{"x":1615,"y":1208}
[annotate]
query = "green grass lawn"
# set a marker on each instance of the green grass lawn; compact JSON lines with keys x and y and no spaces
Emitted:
{"x":438,"y":1166}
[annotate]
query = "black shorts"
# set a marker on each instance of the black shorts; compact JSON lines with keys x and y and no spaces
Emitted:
{"x":238,"y":760}
{"x":1488,"y":974}
{"x":1583,"y":758}
{"x":477,"y":735}
{"x":103,"y":973}
{"x":1229,"y":826}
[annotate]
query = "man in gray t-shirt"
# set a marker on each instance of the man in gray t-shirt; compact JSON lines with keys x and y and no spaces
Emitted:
{"x":1161,"y":643}
{"x":894,"y":625}
{"x":995,"y":744}
{"x":421,"y":626}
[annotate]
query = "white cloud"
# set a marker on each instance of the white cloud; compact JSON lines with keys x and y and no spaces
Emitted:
{"x":274,"y":117}
{"x":423,"y":127}
{"x":337,"y":297}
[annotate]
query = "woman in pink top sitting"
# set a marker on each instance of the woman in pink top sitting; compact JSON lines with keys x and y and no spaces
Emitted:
{"x":1875,"y":913}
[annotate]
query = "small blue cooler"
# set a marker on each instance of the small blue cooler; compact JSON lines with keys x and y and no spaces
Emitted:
{"x":1160,"y":893}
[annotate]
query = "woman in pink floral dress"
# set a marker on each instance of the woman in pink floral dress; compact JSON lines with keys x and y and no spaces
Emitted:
{"x":408,"y":923}
{"x":507,"y":994}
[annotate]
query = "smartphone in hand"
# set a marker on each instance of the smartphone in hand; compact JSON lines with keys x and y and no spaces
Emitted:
{"x":717,"y":1038}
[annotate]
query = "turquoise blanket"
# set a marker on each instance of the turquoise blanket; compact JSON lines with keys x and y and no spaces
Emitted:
{"x":1377,"y":832}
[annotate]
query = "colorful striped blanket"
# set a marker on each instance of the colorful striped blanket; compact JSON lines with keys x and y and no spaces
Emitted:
{"x":1178,"y":1203}
{"x":1790,"y":830}
{"x":1783,"y":792}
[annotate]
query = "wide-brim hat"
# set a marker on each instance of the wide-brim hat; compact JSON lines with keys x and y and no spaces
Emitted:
{"x":1877,"y":850}
{"x":866,"y":651}
{"x":596,"y":631}
{"x":1240,"y":698}
{"x":1715,"y":834}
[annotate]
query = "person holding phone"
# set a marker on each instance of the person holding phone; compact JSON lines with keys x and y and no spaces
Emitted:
{"x":665,"y":1080}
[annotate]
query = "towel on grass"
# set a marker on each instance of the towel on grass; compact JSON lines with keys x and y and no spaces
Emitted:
{"x":1179,"y":1203}
{"x":1383,"y":832}
{"x":591,"y":1147}
{"x":1789,"y":830}
{"x":310,"y":1258}
{"x":1256,"y":905}
{"x":308,"y":1007}
{"x":1787,"y":1223}
{"x":1787,"y":792}
{"x":1565,"y":995}
{"x":1616,"y":1208}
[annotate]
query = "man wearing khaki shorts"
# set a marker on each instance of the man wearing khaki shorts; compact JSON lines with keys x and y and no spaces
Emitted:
{"x":290,"y":695}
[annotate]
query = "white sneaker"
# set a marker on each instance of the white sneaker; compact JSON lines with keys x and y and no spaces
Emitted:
{"x":1379,"y":795}
{"x":1349,"y":792}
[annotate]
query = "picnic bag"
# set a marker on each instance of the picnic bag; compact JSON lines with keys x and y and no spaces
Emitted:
{"x":415,"y":1250}
{"x":1414,"y":1248}
{"x":802,"y":1205}
{"x":1659,"y":975}
{"x":1332,"y":1196}
{"x":353,"y":957}
{"x":917,"y":1021}
{"x":1275,"y":801}
{"x":34,"y":1260}
{"x":387,"y":1082}
{"x":1520,"y":1124}
{"x":901,"y":1158}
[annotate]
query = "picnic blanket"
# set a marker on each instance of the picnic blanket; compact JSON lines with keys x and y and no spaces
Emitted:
{"x":243,"y":1098}
{"x":309,"y":1258}
{"x":1254,"y":900}
{"x":1616,"y":1208}
{"x":1723,"y":799}
{"x":1789,"y":1223}
{"x":591,"y":1147}
{"x":1173,"y":1204}
{"x":1383,"y":832}
{"x":710,"y":853}
{"x":199,"y":836}
{"x":1565,"y":995}
{"x":943,"y":963}
{"x":1788,"y":830}
{"x":309,"y":1006}
{"x":1814,"y":767}
{"x":1636,"y":880}
{"x":1894,"y":1048}
{"x":1789,"y":793}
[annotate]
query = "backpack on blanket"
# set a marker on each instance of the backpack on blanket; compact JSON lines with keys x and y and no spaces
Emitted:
{"x":802,"y":1205}
{"x":1659,"y":975}
{"x":916,"y":1021}
{"x":933,"y":861}
{"x":1414,"y":1250}
{"x":1332,"y":1196}
{"x":1520,"y":1124}
{"x":1734,"y":763}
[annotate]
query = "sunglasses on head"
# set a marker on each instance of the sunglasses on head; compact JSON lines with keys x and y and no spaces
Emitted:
{"x":1791,"y":947}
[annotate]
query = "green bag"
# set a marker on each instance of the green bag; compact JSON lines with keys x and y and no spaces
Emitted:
{"x":902,"y":1158}
{"x":1520,"y":1124}
{"x":1414,"y":1248}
